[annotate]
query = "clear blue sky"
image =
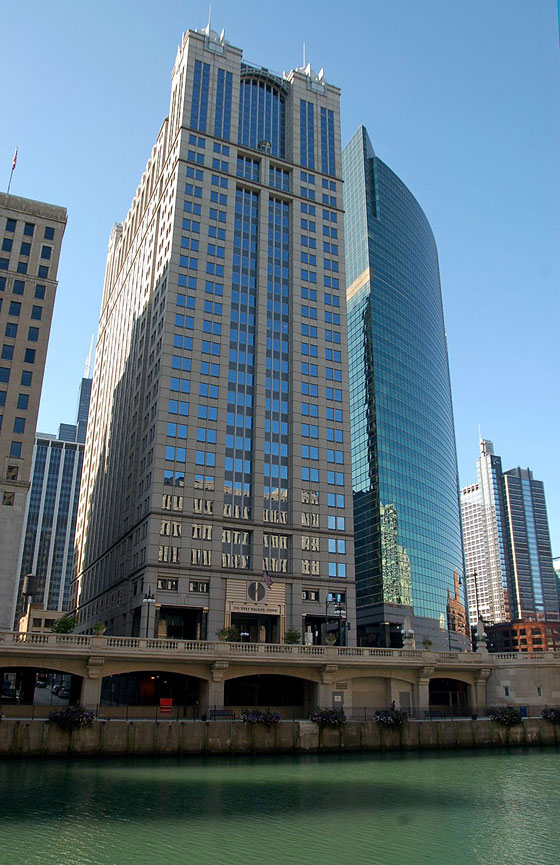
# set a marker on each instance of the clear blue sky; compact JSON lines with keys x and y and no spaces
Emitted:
{"x":460,"y":97}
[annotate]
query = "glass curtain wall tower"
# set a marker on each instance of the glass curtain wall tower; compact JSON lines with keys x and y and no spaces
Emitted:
{"x":409,"y":557}
{"x":217,"y":467}
{"x":47,"y":549}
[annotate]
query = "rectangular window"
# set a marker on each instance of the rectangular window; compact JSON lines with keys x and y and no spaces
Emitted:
{"x":167,"y":585}
{"x":222,"y":116}
{"x":33,"y":334}
{"x":200,"y":92}
{"x":307,"y":134}
{"x":15,"y":449}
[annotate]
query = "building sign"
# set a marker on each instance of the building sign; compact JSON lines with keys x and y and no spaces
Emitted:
{"x":264,"y":609}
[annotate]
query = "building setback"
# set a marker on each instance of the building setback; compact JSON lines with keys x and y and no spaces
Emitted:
{"x":30,"y":238}
{"x":508,"y":555}
{"x":217,"y":470}
{"x":409,"y":558}
{"x":47,"y":549}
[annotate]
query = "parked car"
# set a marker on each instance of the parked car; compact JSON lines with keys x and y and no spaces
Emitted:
{"x":55,"y":689}
{"x":41,"y":683}
{"x":64,"y":693}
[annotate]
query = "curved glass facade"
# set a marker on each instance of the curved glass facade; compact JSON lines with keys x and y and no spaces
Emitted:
{"x":261,"y":113}
{"x":406,"y":509}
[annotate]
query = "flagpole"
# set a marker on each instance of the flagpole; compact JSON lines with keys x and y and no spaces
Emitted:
{"x":14,"y":163}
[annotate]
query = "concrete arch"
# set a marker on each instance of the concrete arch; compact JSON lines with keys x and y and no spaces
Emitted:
{"x":458,"y":675}
{"x":408,"y":676}
{"x":116,"y":668}
{"x":67,"y":665}
{"x":236,"y":672}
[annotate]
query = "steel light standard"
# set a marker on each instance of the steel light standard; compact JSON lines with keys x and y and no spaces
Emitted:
{"x":340,"y":613}
{"x":149,"y":600}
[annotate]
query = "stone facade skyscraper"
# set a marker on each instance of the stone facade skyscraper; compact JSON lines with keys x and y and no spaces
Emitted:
{"x":217,"y":472}
{"x":30,"y":237}
{"x":406,"y":507}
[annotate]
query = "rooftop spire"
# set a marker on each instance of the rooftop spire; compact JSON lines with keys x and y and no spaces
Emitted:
{"x":87,"y":373}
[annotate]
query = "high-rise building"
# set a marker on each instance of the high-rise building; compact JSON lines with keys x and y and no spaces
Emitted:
{"x":217,"y":473}
{"x":486,"y":540}
{"x":406,"y":509}
{"x":510,"y":574}
{"x":47,"y":549}
{"x":30,"y":236}
{"x":534,"y":579}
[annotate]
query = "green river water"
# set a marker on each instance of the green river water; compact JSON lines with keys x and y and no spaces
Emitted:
{"x":445,"y":808}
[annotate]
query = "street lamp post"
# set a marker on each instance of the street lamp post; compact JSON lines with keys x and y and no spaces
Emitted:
{"x":149,"y":600}
{"x":340,"y":612}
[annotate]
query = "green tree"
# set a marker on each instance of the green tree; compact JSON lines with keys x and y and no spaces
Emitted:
{"x":64,"y":625}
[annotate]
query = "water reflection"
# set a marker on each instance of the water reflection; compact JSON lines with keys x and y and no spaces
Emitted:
{"x":414,"y":808}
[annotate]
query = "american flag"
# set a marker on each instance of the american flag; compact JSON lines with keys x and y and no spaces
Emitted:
{"x":266,"y":578}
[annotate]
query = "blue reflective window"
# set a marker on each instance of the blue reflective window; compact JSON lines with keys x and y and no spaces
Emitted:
{"x":262,"y":115}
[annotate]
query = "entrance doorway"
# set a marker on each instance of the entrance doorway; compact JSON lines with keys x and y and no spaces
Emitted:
{"x":256,"y":628}
{"x":182,"y":623}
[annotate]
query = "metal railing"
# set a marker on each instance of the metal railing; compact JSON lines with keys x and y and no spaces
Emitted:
{"x":198,"y":713}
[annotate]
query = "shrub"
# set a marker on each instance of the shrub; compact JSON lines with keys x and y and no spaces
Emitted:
{"x":260,"y":716}
{"x":72,"y":717}
{"x":292,"y":636}
{"x":507,"y":716}
{"x":230,"y":635}
{"x":552,"y":715}
{"x":328,"y":717}
{"x":64,"y":625}
{"x":391,"y":718}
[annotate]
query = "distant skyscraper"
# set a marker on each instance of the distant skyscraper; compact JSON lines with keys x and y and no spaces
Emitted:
{"x":47,"y":549}
{"x":217,"y":472}
{"x":507,"y":544}
{"x":406,"y":509}
{"x":486,"y":539}
{"x":30,"y":236}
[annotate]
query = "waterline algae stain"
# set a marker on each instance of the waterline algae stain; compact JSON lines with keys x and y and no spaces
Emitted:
{"x":446,"y":808}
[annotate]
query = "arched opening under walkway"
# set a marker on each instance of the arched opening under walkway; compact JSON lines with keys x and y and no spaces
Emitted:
{"x":293,"y":697}
{"x":449,"y":697}
{"x":39,"y":686}
{"x":150,"y":688}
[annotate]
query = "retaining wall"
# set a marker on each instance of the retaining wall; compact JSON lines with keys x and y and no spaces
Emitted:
{"x":21,"y":738}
